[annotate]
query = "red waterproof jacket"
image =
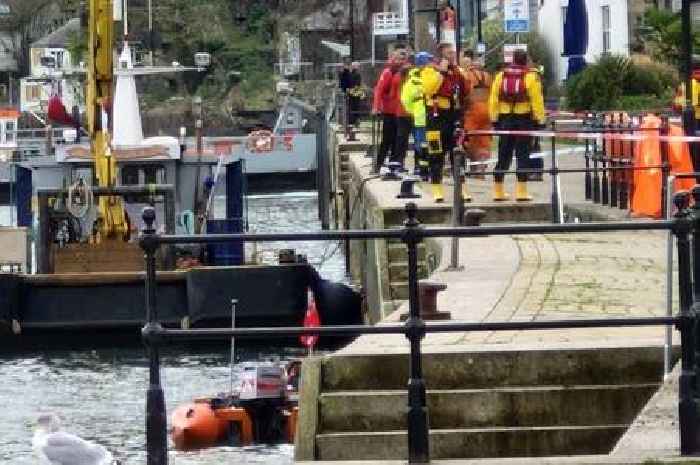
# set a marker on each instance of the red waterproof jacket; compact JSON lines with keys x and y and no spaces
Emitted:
{"x":383,"y":102}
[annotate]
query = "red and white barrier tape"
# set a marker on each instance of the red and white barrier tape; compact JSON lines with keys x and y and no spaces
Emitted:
{"x":584,"y":135}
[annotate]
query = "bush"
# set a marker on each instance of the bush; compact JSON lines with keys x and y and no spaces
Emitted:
{"x":616,"y":83}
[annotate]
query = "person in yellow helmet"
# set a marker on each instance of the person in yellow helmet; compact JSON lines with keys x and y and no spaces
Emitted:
{"x":516,"y":103}
{"x":413,"y":100}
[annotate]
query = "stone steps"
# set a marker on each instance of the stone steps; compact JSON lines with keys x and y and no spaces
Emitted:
{"x":372,"y":411}
{"x":473,"y":443}
{"x":496,"y":368}
{"x":490,"y":403}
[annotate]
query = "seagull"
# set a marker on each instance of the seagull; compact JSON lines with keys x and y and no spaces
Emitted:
{"x":56,"y":447}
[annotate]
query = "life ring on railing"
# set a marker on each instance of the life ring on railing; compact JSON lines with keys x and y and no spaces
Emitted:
{"x":262,"y":141}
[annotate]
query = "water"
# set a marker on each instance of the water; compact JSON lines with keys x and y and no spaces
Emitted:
{"x":101,"y":393}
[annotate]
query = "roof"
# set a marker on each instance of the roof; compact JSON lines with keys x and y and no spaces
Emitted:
{"x":60,"y":37}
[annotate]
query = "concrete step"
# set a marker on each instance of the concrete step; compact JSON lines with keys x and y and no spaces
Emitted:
{"x":473,"y":443}
{"x":359,"y":146}
{"x":357,"y":411}
{"x":496,"y":368}
{"x":398,"y":270}
{"x":397,"y":251}
{"x":399,"y":290}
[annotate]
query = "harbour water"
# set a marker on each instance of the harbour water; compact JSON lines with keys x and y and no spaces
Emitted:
{"x":101,"y":393}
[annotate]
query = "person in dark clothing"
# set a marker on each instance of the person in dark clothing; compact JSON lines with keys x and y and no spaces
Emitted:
{"x":344,"y":77}
{"x":355,"y":93}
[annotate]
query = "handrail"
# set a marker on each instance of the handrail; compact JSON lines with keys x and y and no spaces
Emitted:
{"x":685,"y":223}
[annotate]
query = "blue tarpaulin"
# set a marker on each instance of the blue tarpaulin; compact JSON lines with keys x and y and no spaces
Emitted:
{"x":576,"y":35}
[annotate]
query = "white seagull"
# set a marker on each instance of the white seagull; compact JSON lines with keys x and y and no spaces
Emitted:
{"x":56,"y":447}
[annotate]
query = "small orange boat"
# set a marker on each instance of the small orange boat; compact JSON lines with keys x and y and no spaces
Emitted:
{"x":264,"y":410}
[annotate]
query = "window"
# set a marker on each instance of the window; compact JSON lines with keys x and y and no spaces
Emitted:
{"x":133,"y":174}
{"x":606,"y":28}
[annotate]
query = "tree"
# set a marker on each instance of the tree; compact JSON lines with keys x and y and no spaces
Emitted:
{"x":27,"y":21}
{"x":495,"y":37}
{"x":661,"y":36}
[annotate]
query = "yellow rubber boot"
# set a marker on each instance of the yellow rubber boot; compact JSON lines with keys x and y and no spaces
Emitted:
{"x":521,"y":194}
{"x":438,"y":195}
{"x":466,"y":196}
{"x":499,"y":192}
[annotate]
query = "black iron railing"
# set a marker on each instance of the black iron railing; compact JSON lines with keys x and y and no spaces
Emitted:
{"x":684,"y":224}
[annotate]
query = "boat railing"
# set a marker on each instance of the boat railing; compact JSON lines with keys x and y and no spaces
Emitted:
{"x":684,"y":226}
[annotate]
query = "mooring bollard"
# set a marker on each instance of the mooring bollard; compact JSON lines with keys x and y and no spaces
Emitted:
{"x":428,"y":291}
{"x":418,"y":440}
{"x":156,"y":422}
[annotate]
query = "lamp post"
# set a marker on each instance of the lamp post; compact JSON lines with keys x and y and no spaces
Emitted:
{"x":479,"y":38}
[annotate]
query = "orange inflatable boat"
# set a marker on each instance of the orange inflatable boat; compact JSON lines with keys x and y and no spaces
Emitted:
{"x":264,"y":410}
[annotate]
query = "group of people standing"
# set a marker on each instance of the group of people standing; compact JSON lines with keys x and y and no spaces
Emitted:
{"x":432,"y":96}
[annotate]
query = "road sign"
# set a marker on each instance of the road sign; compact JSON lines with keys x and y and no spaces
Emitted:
{"x":508,"y":50}
{"x":517,"y":15}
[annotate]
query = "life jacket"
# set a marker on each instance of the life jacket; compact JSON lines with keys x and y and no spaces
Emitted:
{"x":513,"y":89}
{"x":451,"y":88}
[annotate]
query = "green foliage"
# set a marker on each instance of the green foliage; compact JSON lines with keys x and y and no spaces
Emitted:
{"x":616,"y":83}
{"x":494,"y":36}
{"x":660,"y":35}
{"x":212,"y":26}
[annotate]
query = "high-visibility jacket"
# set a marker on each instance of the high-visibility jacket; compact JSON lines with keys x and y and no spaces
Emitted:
{"x":395,"y":95}
{"x":435,"y":82}
{"x":412,"y":97}
{"x":679,"y":99}
{"x":534,"y":105}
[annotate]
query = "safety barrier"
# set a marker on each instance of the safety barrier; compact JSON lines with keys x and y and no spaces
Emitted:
{"x":684,"y":226}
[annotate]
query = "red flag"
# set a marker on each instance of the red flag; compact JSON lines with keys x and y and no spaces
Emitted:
{"x":311,"y":320}
{"x":57,"y":111}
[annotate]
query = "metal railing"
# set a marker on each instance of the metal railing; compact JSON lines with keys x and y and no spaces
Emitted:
{"x":684,"y":224}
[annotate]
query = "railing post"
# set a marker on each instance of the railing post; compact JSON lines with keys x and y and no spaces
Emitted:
{"x":605,"y":163}
{"x":556,"y":210}
{"x":156,"y":426}
{"x":695,"y":279}
{"x":665,"y":166}
{"x":418,"y":440}
{"x":596,"y":178}
{"x":588,"y":180}
{"x":687,"y":406}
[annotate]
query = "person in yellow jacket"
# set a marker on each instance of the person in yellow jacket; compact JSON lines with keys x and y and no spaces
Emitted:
{"x":516,"y":103}
{"x":413,"y":101}
{"x":446,"y":96}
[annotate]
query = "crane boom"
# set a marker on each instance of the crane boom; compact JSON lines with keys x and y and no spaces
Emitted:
{"x":99,"y":94}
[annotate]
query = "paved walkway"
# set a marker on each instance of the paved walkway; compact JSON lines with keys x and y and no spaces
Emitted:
{"x":527,"y":278}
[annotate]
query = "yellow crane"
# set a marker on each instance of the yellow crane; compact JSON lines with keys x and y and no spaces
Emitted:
{"x":112,"y":220}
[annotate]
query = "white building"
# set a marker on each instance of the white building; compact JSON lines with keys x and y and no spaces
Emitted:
{"x":52,"y":70}
{"x":608,"y":30}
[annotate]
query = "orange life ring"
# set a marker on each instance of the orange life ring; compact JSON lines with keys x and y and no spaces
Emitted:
{"x":260,"y":141}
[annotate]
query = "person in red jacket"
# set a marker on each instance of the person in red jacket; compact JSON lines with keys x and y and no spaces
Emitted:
{"x":385,"y":105}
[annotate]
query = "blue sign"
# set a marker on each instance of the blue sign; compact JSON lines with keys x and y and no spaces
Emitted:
{"x":517,"y":25}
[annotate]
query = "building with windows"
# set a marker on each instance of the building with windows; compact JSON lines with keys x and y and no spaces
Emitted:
{"x":608,"y":30}
{"x":52,"y":70}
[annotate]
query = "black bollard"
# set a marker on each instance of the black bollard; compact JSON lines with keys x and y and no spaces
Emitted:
{"x":687,"y":405}
{"x":418,"y":439}
{"x":156,"y":422}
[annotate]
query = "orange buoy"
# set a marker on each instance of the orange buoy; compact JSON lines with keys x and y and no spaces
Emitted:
{"x":195,"y":426}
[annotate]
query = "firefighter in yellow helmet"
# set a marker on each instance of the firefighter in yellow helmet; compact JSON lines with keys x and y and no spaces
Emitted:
{"x":516,"y":103}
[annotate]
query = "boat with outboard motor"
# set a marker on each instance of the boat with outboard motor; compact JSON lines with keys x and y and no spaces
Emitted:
{"x":264,"y":409}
